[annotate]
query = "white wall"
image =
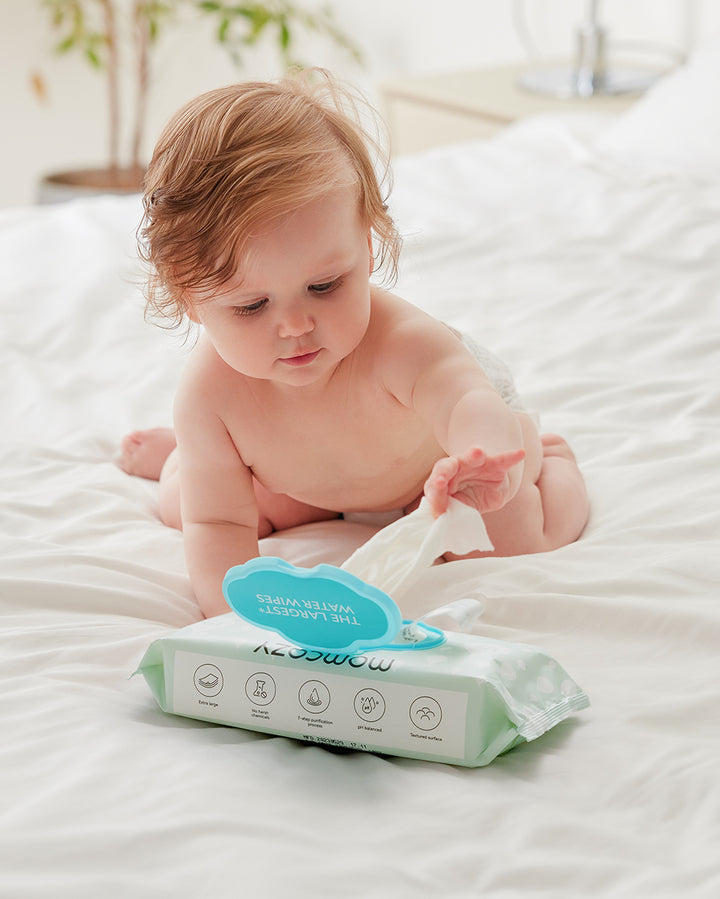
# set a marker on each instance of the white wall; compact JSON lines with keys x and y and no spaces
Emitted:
{"x":397,"y":37}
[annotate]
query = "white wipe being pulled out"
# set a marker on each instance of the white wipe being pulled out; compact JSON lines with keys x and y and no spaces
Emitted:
{"x":397,"y":556}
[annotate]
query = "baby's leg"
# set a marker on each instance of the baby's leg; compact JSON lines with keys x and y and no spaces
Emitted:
{"x":151,"y":454}
{"x":564,"y":496}
{"x":551,"y":507}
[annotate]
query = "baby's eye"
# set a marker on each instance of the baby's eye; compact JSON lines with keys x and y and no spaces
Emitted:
{"x":326,"y":286}
{"x":251,"y":308}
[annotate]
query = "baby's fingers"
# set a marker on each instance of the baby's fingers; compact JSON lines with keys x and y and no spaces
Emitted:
{"x":437,"y":486}
{"x":475,"y":464}
{"x":505,"y":461}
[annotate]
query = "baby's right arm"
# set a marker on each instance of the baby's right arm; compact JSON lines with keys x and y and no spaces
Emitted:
{"x":218,"y":508}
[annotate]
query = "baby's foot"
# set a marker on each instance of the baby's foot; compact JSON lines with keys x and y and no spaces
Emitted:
{"x":143,"y":453}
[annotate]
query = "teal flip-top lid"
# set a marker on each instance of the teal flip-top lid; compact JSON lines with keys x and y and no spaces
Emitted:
{"x":322,"y":608}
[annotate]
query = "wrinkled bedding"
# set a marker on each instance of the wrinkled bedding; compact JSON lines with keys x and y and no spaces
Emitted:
{"x":597,"y":279}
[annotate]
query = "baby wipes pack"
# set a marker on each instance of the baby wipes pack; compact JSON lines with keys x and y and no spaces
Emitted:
{"x":320,"y":655}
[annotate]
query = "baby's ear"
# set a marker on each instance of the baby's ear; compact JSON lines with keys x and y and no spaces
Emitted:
{"x":191,"y":313}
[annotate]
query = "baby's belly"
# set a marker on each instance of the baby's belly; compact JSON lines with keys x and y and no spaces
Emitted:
{"x":327,"y":484}
{"x":371,"y":497}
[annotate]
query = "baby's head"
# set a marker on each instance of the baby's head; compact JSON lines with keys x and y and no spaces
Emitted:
{"x":235,"y":159}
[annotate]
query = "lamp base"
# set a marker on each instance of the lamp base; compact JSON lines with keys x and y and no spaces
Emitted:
{"x":568,"y":83}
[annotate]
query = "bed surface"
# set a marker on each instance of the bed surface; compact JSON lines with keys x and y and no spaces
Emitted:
{"x":594,"y":271}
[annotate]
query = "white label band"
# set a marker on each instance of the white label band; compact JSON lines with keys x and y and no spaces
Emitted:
{"x":315,"y":705}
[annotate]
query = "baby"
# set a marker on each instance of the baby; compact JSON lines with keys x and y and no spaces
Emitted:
{"x":311,"y":392}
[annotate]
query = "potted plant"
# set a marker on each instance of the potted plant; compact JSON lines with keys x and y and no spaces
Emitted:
{"x":94,"y":29}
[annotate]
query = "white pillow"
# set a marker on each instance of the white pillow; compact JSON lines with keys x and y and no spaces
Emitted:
{"x":676,"y":125}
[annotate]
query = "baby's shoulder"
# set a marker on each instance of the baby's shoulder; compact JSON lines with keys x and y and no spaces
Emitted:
{"x":206,"y":377}
{"x":398,"y":324}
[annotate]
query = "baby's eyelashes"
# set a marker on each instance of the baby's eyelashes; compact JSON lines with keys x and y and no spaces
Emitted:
{"x":326,"y":286}
{"x":250,"y":308}
{"x":323,"y":288}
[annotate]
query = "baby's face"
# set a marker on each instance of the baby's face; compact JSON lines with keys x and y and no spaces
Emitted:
{"x":300,"y":302}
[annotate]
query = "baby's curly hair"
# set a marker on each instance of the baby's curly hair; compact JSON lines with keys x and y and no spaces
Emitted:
{"x":234,"y":159}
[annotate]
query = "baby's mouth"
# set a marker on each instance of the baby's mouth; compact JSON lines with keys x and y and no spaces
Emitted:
{"x":301,"y":358}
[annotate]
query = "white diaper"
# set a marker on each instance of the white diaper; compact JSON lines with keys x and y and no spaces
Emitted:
{"x":497,"y":372}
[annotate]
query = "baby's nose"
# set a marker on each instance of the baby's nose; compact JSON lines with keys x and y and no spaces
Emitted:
{"x":295,"y":322}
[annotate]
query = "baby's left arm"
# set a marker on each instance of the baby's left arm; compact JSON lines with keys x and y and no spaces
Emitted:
{"x":484,"y":443}
{"x":475,"y":478}
{"x":481,"y":435}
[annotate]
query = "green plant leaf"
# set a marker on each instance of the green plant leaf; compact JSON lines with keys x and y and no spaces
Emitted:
{"x":93,"y":58}
{"x":67,"y":44}
{"x":284,"y":34}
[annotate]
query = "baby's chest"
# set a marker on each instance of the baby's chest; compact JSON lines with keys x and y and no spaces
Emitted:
{"x":306,"y":442}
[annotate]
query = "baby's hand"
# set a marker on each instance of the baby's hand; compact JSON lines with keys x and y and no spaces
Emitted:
{"x":476,"y":479}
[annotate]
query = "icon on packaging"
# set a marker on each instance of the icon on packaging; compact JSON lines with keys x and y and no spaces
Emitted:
{"x":369,"y":705}
{"x":425,"y":713}
{"x":260,"y":688}
{"x":314,"y":696}
{"x":208,"y":680}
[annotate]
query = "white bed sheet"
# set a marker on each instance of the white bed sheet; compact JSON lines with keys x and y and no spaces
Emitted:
{"x":599,"y":283}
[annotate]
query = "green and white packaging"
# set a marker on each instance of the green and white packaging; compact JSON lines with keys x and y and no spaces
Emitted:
{"x":464,"y":702}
